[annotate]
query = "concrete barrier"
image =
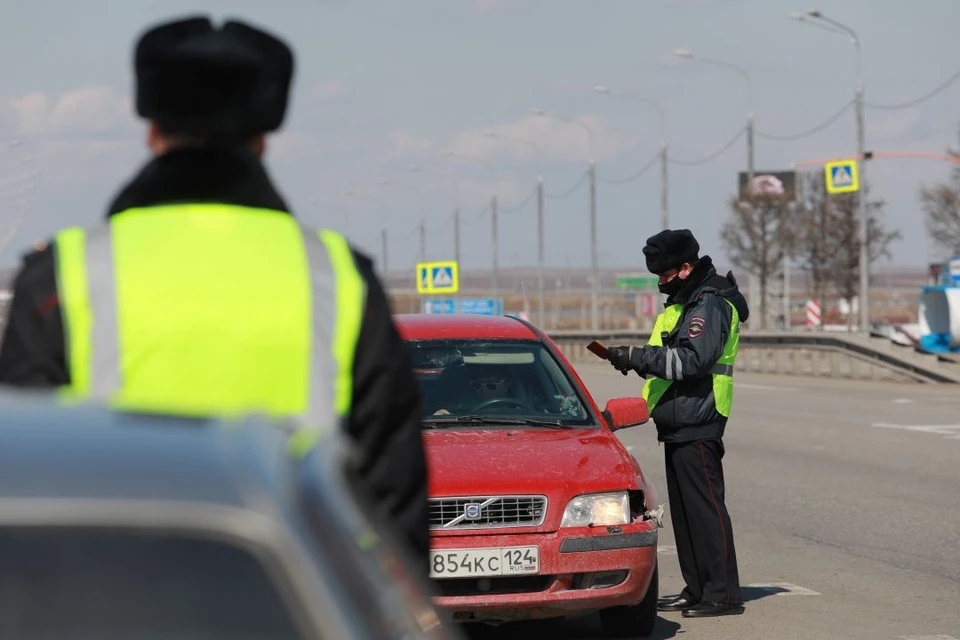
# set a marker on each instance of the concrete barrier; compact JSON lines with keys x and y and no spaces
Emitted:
{"x":846,"y":356}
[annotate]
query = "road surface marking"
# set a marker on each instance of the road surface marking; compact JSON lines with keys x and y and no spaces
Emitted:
{"x":666,"y":550}
{"x":949,"y":431}
{"x":783,"y":589}
{"x":763,"y":387}
{"x":902,"y":401}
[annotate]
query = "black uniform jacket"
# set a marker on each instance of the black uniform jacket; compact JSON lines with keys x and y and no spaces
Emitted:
{"x":687,"y":410}
{"x":385,"y":420}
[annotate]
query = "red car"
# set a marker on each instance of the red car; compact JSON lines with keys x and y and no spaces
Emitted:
{"x":537,"y":509}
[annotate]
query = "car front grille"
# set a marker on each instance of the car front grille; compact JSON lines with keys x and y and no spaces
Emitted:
{"x":487,"y":512}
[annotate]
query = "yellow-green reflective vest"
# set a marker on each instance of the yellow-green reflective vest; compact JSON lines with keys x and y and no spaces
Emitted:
{"x":722,"y":373}
{"x":210,"y":310}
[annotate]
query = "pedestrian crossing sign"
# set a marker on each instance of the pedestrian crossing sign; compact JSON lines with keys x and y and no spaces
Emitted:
{"x":841,"y":176}
{"x":437,"y":277}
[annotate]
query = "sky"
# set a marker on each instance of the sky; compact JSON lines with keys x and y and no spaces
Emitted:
{"x":382,"y":85}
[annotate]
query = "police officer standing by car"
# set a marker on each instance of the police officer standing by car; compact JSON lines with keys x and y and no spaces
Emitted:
{"x":201,"y":295}
{"x":690,"y":356}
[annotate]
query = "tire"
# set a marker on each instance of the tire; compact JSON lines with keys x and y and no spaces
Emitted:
{"x":637,"y":620}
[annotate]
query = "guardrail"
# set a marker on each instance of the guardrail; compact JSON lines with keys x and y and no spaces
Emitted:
{"x":857,"y":356}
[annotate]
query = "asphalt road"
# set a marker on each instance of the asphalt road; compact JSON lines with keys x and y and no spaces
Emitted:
{"x":845,"y":501}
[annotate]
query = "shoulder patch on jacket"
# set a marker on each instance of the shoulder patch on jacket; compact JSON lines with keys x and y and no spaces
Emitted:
{"x":695,"y":326}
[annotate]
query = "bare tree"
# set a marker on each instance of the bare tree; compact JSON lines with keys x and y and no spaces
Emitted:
{"x":811,"y":244}
{"x":845,"y":262}
{"x":827,"y":241}
{"x":941,"y":203}
{"x":757,"y":237}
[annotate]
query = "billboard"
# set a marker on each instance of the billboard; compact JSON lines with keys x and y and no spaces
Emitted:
{"x":769,"y":183}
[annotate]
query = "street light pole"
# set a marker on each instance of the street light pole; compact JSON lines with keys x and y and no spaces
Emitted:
{"x":423,"y":240}
{"x":493,"y":208}
{"x":496,"y":248}
{"x":383,"y":231}
{"x":864,"y":258}
{"x":541,"y":292}
{"x":419,"y":194}
{"x":592,"y":173}
{"x":684,"y":53}
{"x":456,"y":212}
{"x":664,"y":208}
{"x":383,"y":251}
{"x":594,"y":263}
{"x":541,"y":289}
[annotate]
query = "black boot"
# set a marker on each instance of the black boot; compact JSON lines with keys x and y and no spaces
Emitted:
{"x":678,"y":602}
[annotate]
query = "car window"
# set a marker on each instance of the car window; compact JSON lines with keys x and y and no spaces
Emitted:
{"x":121,"y":585}
{"x":517,"y":379}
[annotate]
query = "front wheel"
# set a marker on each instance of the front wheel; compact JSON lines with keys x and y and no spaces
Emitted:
{"x":636,"y":620}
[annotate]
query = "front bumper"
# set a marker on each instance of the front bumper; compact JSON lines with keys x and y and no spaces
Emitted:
{"x":581,"y":570}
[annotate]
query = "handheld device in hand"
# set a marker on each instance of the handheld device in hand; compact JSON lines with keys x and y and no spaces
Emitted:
{"x":597,"y":349}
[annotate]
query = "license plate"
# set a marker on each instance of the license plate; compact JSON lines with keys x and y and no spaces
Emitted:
{"x":478,"y":563}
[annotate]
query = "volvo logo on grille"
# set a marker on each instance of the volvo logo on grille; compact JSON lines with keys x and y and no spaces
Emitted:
{"x":472,"y":511}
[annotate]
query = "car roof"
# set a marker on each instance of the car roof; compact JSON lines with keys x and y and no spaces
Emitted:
{"x":462,"y":326}
{"x":88,"y":466}
{"x":92,"y":455}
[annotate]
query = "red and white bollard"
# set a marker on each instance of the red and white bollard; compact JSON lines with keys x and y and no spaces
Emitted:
{"x":814,"y":318}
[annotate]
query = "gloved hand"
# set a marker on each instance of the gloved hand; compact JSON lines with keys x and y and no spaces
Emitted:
{"x":627,"y":359}
{"x":620,"y":358}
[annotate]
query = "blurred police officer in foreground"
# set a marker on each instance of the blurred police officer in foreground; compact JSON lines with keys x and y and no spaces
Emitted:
{"x":690,"y":356}
{"x":202,"y":295}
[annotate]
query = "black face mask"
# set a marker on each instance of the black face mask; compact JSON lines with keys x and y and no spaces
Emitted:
{"x":672,"y":287}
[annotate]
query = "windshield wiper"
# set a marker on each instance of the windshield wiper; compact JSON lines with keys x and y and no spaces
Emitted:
{"x":477,"y":419}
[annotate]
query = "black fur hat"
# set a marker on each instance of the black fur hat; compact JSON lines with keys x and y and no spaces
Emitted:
{"x":193,"y":78}
{"x":669,"y":249}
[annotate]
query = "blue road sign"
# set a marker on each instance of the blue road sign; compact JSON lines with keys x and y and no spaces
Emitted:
{"x":842,"y":176}
{"x":471,"y":306}
{"x":482,"y":306}
{"x":437,"y":277}
{"x":441,"y":278}
{"x":423,"y":278}
{"x":439,"y":305}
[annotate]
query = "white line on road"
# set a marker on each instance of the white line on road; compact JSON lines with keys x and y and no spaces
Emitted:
{"x":902,"y":401}
{"x":949,"y":431}
{"x":775,"y":588}
{"x":784,"y":589}
{"x":763,"y":387}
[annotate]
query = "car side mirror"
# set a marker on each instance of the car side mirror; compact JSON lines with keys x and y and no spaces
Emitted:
{"x":621,"y":413}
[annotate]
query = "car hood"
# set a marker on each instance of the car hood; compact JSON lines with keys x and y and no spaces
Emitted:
{"x":558,"y":464}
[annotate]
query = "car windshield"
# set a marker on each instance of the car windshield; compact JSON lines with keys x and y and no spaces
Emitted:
{"x":489,"y":381}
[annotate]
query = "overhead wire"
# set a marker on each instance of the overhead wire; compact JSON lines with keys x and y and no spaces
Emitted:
{"x":809,"y":132}
{"x":713,"y":156}
{"x":760,"y":134}
{"x":633,"y":177}
{"x":521,"y":206}
{"x":477,"y":218}
{"x":442,"y":227}
{"x":569,"y":191}
{"x":923,"y":98}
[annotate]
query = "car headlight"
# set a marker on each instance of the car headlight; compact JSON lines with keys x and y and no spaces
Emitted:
{"x":602,"y":509}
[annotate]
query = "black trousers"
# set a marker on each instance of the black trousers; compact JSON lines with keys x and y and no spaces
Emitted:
{"x":701,"y":524}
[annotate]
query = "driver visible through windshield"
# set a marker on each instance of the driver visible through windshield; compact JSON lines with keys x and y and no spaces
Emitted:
{"x":494,"y":382}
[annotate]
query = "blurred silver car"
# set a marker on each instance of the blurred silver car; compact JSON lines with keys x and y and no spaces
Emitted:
{"x":117,"y":526}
